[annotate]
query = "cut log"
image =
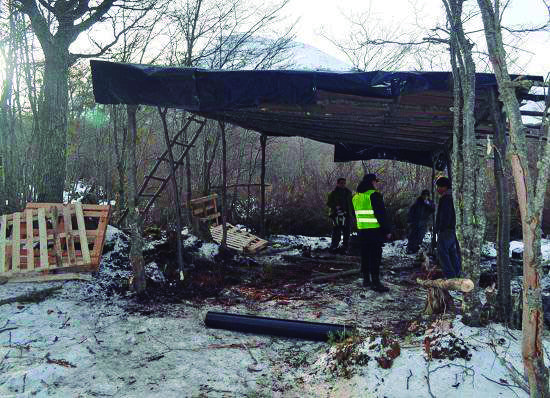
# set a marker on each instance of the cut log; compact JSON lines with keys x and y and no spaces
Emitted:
{"x":323,"y":278}
{"x":318,"y":260}
{"x":457,"y":284}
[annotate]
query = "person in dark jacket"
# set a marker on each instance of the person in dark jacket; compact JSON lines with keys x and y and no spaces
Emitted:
{"x":374,"y":230}
{"x":341,"y":214}
{"x":418,"y":218}
{"x":445,"y":229}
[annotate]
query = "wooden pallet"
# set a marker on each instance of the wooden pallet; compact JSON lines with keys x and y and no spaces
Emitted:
{"x":237,"y":239}
{"x":52,"y":237}
{"x":206,"y":209}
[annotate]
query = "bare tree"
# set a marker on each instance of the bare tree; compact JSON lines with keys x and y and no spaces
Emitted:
{"x":531,"y":190}
{"x":362,"y":44}
{"x":57,"y":24}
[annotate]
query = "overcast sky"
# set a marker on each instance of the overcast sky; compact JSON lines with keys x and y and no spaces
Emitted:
{"x":317,"y":15}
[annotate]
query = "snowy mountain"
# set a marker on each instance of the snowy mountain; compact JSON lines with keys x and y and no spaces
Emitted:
{"x":261,"y":53}
{"x":306,"y":57}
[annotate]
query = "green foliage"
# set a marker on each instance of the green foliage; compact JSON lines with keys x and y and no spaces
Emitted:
{"x":340,"y":336}
{"x":96,"y":117}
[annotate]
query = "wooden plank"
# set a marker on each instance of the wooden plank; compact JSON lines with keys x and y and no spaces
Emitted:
{"x":82,"y":232}
{"x":56,"y":239}
{"x":21,"y":278}
{"x":43,"y":233}
{"x":85,"y":207}
{"x":100,"y":239}
{"x":203,"y":199}
{"x":69,"y":240}
{"x":30,"y":239}
{"x":203,"y":209}
{"x":16,"y":242}
{"x":3,"y":229}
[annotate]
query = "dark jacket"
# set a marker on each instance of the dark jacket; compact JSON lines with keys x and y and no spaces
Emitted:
{"x":377,"y":205}
{"x":340,"y":197}
{"x":445,"y":219}
{"x":420,"y":212}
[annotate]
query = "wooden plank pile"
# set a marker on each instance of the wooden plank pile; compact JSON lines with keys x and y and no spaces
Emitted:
{"x":238,"y":239}
{"x":52,"y":238}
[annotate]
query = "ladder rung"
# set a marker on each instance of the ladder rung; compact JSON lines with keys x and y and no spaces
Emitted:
{"x":155,"y":178}
{"x":168,"y":160}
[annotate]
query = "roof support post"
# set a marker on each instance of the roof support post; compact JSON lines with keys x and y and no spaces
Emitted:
{"x":501,"y":172}
{"x":263,"y":143}
{"x":432,"y":244}
{"x":172,"y":177}
{"x":135,"y":218}
{"x":224,"y":184}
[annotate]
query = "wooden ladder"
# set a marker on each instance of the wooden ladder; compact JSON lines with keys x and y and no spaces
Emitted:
{"x":152,"y":192}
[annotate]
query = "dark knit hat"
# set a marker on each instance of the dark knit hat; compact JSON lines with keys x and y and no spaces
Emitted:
{"x":370,"y":178}
{"x":443,"y":182}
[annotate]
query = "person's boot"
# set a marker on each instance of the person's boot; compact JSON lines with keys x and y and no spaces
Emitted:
{"x":366,"y":281}
{"x":379,"y":288}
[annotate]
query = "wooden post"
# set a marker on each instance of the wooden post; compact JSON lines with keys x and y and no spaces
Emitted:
{"x":224,"y":185}
{"x":263,"y":143}
{"x":503,"y":210}
{"x":432,"y":243}
{"x":172,"y":177}
{"x":135,"y":219}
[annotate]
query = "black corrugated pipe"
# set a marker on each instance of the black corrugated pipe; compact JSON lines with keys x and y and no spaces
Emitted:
{"x":279,"y":327}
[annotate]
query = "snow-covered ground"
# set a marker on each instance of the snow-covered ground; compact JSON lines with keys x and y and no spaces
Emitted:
{"x":89,"y":340}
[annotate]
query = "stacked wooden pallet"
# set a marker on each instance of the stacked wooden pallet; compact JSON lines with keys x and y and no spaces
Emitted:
{"x":238,"y":239}
{"x":206,"y":209}
{"x":52,"y":237}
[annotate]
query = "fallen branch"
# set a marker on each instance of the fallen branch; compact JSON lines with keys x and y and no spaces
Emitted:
{"x":25,"y":277}
{"x":36,"y":296}
{"x":458,"y":284}
{"x":318,"y":260}
{"x":504,"y":384}
{"x":60,"y":362}
{"x":323,"y":278}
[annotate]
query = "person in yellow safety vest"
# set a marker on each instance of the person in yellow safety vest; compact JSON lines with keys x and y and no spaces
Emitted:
{"x":374,"y":230}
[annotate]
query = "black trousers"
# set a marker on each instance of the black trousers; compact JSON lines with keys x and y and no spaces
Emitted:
{"x":416,"y":236}
{"x":337,"y":231}
{"x":371,"y":254}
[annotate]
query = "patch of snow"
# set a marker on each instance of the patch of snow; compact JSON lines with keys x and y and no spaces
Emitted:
{"x":488,"y":250}
{"x":300,"y":241}
{"x":209,"y":250}
{"x":152,"y":271}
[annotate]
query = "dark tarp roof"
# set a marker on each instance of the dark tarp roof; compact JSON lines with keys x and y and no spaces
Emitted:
{"x":391,"y":115}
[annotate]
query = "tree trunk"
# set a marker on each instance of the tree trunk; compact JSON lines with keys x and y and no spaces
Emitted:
{"x":530,"y":192}
{"x":468,"y":192}
{"x":504,"y":303}
{"x":135,"y":220}
{"x":52,"y":137}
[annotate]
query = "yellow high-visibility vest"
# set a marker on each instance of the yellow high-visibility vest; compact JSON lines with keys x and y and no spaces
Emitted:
{"x":363,"y":210}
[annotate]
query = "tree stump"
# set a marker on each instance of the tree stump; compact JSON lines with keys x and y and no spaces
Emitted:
{"x":438,"y":301}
